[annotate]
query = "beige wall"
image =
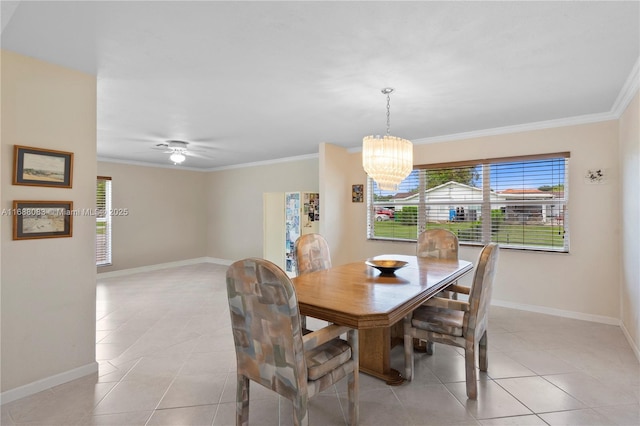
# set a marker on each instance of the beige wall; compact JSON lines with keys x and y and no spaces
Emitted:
{"x":48,"y":286}
{"x":167,"y":218}
{"x":48,"y":310}
{"x":585,"y":281}
{"x":234,"y":204}
{"x":335,"y":189}
{"x":630,"y":219}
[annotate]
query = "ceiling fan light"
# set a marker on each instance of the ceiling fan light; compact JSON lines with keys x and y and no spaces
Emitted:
{"x":177,"y":157}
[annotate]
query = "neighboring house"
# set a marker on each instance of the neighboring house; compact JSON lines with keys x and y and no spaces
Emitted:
{"x":453,"y":201}
{"x":450,"y":201}
{"x":531,"y":212}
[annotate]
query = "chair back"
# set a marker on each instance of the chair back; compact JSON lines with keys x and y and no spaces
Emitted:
{"x":266,"y":326}
{"x":311,"y":253}
{"x":439,"y":243}
{"x":475,"y":321}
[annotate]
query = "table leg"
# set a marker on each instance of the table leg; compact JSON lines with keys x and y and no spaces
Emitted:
{"x":375,"y":354}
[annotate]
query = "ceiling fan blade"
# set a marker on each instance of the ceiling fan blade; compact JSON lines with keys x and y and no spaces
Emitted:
{"x":191,"y":153}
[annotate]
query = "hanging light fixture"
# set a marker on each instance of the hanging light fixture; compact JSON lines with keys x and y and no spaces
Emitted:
{"x":177,"y":157}
{"x":388,"y":159}
{"x":178,"y":149}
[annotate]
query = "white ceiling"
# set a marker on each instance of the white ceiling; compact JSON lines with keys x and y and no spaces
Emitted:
{"x":247,"y":82}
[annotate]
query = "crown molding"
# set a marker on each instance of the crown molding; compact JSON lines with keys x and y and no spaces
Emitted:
{"x":145,"y":164}
{"x":214,"y":169}
{"x":265,"y":163}
{"x":628,"y":91}
{"x":527,"y":127}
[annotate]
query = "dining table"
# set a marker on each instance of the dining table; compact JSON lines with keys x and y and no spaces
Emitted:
{"x":364,"y":298}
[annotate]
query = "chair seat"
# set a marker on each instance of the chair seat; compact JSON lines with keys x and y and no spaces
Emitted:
{"x":326,"y":357}
{"x":438,"y":320}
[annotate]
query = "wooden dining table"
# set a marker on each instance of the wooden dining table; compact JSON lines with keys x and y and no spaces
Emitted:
{"x":359,"y":296}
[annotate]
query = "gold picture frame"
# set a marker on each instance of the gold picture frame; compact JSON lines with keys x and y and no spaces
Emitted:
{"x":42,"y":219}
{"x":42,"y":167}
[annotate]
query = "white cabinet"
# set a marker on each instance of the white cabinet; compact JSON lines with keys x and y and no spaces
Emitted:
{"x":287,"y":215}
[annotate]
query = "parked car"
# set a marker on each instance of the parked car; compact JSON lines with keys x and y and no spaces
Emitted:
{"x":380,"y":217}
{"x":388,"y":212}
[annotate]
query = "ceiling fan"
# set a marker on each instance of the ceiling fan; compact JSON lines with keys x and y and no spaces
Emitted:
{"x":177,"y":149}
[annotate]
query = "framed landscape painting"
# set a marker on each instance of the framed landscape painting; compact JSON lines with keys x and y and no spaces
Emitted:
{"x":42,"y":167}
{"x":42,"y":219}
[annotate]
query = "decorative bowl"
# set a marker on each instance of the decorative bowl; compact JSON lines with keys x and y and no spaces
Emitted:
{"x":386,"y":267}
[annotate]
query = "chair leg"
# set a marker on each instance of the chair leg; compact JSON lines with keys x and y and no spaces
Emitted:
{"x":430,"y":346}
{"x":419,"y":346}
{"x":408,"y":348}
{"x":470,"y":369}
{"x":242,"y":401}
{"x":354,"y":378}
{"x":482,"y":352}
{"x":300,"y":413}
{"x":423,"y":346}
{"x":303,"y":322}
{"x":300,"y":419}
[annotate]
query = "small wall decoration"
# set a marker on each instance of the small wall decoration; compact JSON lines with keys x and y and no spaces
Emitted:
{"x":42,"y":167}
{"x":311,"y":208}
{"x":595,"y":176}
{"x":42,"y":219}
{"x":357,"y":193}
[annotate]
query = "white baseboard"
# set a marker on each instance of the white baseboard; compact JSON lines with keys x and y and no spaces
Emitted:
{"x":148,"y":268}
{"x":47,"y":382}
{"x":558,"y":312}
{"x":633,"y":344}
{"x":219,"y":261}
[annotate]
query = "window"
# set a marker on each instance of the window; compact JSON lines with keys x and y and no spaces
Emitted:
{"x":518,"y":202}
{"x":103,"y":221}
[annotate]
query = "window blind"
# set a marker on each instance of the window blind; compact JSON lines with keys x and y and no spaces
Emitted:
{"x":103,"y":221}
{"x":518,"y":202}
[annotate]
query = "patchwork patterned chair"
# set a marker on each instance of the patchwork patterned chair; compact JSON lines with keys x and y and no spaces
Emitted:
{"x":441,"y":244}
{"x":311,"y":253}
{"x":455,"y":322}
{"x":270,"y":347}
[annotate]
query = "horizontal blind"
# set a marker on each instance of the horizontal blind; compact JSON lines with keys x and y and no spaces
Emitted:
{"x":103,"y":221}
{"x":531,"y":208}
{"x":454,"y":201}
{"x":519,"y":202}
{"x":394,"y":214}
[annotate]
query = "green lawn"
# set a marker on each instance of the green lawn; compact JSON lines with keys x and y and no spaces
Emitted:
{"x":529,"y":235}
{"x":101,"y":227}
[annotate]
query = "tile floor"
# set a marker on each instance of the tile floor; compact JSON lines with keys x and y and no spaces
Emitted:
{"x":166,"y":357}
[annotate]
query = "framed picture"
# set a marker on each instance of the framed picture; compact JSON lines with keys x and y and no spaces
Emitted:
{"x":42,"y":219}
{"x":357,"y":193}
{"x":42,"y":167}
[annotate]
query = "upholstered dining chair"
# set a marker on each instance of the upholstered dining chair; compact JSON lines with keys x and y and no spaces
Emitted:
{"x":310,"y":254}
{"x":441,"y":244}
{"x":271,"y":349}
{"x":455,"y":322}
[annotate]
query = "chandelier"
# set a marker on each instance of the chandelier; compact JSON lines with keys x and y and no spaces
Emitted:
{"x":388,"y":159}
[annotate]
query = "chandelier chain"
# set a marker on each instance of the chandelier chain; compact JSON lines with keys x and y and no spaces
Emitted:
{"x":388,"y":115}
